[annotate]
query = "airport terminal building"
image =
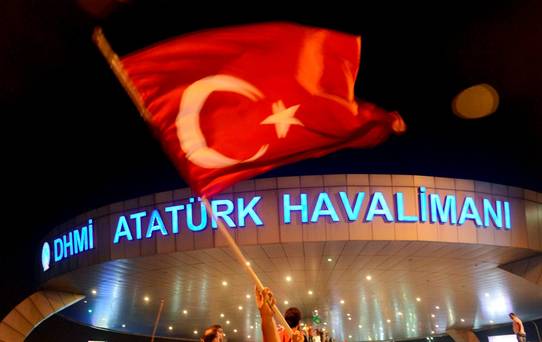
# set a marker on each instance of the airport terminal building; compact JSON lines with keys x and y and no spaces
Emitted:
{"x":365,"y":257}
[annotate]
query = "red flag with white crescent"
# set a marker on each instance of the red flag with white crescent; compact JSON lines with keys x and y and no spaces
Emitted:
{"x":231,"y":103}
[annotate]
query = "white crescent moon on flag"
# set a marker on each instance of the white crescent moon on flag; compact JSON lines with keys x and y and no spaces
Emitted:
{"x":189,"y":132}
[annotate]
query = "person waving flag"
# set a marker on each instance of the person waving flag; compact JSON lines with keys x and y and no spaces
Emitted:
{"x":230,"y":103}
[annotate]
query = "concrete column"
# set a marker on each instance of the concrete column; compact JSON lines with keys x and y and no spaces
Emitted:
{"x":32,"y":311}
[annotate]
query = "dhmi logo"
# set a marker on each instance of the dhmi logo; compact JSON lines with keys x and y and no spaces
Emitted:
{"x":71,"y":243}
{"x":45,"y":256}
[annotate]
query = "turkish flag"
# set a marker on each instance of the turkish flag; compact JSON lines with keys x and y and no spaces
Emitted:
{"x":231,"y":103}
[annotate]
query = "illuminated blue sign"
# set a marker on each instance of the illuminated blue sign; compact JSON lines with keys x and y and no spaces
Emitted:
{"x":130,"y":226}
{"x":442,"y":210}
{"x":191,"y":214}
{"x":45,"y":256}
{"x":236,"y":213}
{"x":74,"y":242}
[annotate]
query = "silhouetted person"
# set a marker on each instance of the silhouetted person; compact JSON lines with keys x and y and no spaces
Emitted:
{"x":264,"y":301}
{"x":293,"y":318}
{"x":517,"y":326}
{"x":214,"y":333}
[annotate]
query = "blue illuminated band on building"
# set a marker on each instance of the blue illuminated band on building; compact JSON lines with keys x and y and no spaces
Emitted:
{"x":432,"y":208}
{"x":237,"y":213}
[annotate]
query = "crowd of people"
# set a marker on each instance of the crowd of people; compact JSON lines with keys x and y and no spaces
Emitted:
{"x":271,"y":331}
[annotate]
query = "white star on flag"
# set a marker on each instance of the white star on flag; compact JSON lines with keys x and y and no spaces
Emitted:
{"x":282,"y":118}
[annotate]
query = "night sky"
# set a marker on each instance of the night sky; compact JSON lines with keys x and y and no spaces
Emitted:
{"x":73,"y":141}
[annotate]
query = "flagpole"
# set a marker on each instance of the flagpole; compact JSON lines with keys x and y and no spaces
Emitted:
{"x":243,"y":261}
{"x":157,"y":319}
{"x":124,"y":79}
{"x":116,"y":65}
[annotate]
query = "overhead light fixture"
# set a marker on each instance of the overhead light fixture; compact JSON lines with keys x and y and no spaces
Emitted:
{"x":224,"y":283}
{"x":342,"y":301}
{"x":437,"y":307}
{"x":185,"y":312}
{"x":368,"y":277}
{"x":310,"y":292}
{"x":288,"y":278}
{"x":286,"y":302}
{"x":124,"y":325}
{"x":94,"y":292}
{"x":329,"y":259}
{"x":240,"y":307}
{"x":418,"y":299}
{"x":222,"y":315}
{"x":195,"y":332}
{"x":170,"y":328}
{"x":146,"y":298}
{"x":227,"y":322}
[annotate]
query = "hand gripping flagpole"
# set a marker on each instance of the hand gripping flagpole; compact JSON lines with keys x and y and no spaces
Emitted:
{"x":243,"y":261}
{"x":116,"y":65}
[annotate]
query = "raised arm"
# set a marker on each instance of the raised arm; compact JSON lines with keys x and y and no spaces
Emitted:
{"x":264,"y":300}
{"x":269,"y":330}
